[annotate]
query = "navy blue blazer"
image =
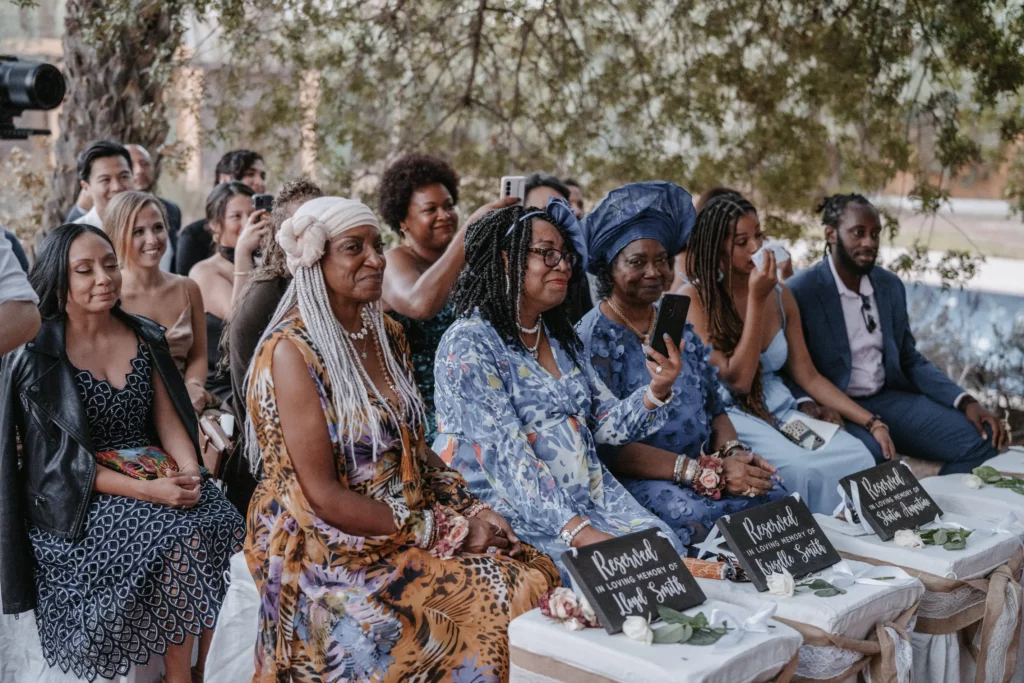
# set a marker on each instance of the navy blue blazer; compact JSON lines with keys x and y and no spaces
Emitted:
{"x":825,"y":331}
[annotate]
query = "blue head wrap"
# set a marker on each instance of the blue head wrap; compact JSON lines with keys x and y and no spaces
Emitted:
{"x":654,"y":209}
{"x":564,"y":217}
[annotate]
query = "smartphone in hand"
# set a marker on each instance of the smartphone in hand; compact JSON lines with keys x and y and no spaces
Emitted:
{"x":513,"y":186}
{"x":671,"y":321}
{"x":263,"y":202}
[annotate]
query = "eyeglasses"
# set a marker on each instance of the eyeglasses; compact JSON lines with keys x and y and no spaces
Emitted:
{"x":865,"y":313}
{"x":552,"y":257}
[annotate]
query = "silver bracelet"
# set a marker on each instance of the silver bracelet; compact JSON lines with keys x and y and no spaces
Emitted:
{"x":691,"y":472}
{"x":428,"y":530}
{"x":677,"y":471}
{"x":569,"y":536}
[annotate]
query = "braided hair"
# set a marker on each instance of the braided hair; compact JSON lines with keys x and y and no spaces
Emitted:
{"x":487,"y":286}
{"x":716,"y":221}
{"x":832,"y":207}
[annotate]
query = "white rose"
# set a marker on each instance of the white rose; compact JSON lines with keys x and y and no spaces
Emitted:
{"x":637,"y":628}
{"x":782,"y":584}
{"x":972,"y":481}
{"x":709,"y":479}
{"x":573,"y":624}
{"x":588,"y":611}
{"x":562,"y":603}
{"x":908,"y":538}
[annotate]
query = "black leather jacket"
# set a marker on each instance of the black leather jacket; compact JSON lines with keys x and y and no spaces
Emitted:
{"x":52,"y":486}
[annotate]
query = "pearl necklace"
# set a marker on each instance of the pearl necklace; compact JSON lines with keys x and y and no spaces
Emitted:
{"x":360,"y":335}
{"x":642,"y":335}
{"x":534,"y":348}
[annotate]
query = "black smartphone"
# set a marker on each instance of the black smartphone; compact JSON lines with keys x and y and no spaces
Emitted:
{"x":671,"y":321}
{"x":263,"y":202}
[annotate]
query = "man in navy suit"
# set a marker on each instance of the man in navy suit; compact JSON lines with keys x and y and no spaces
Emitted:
{"x":855,"y":323}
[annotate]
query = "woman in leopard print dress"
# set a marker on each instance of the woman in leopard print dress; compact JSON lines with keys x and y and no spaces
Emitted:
{"x":373,"y":559}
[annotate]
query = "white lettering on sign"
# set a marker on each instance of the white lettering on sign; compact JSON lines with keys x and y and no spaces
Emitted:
{"x":783,"y":561}
{"x":620,"y":564}
{"x":781,"y":522}
{"x":891,"y":482}
{"x":628,"y":604}
{"x":669,"y":589}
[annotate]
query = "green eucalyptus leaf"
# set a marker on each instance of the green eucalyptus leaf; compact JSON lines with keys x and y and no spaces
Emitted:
{"x":671,"y":616}
{"x":827,"y":592}
{"x":672,"y":633}
{"x":699,"y":621}
{"x":987,"y":474}
{"x":704,"y":636}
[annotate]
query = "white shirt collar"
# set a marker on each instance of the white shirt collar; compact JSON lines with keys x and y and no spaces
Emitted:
{"x":865,"y":283}
{"x":92,"y":218}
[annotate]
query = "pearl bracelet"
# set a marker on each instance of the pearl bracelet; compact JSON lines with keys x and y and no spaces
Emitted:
{"x":569,"y":536}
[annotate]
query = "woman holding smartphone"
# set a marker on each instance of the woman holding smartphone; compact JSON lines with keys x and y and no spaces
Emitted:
{"x":753,"y":323}
{"x":631,"y":235}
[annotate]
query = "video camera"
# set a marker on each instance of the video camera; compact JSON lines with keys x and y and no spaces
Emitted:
{"x":27,"y":86}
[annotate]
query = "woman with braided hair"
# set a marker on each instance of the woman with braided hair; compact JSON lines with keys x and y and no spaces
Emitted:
{"x":753,"y":324}
{"x":373,"y":560}
{"x":520,"y":410}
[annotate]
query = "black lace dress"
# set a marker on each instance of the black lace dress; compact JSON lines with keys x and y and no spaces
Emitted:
{"x":144,"y":575}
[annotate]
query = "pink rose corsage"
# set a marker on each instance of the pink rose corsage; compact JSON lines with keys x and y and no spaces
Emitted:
{"x":562,"y":605}
{"x":709,"y":480}
{"x":451,"y":532}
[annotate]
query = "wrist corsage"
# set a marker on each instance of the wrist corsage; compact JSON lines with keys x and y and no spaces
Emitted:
{"x":450,"y":533}
{"x":709,"y":480}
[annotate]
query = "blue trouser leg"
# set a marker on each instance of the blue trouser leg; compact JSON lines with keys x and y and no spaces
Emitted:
{"x":923,"y":429}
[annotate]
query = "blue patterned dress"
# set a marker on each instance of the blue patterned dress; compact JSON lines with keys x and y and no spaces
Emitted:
{"x":617,"y":356}
{"x":527,"y":442}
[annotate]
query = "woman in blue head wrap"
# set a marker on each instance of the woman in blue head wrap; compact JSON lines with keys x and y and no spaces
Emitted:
{"x":631,"y":237}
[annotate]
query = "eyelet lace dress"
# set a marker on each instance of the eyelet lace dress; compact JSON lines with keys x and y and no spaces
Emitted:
{"x":143,"y":575}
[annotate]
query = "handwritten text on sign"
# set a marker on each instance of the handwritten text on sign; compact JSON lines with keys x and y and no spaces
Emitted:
{"x":891,"y":499}
{"x":632,"y":575}
{"x":778,"y":536}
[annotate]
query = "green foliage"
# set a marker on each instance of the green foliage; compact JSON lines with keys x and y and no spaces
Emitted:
{"x":822,"y":588}
{"x":784,"y":100}
{"x":991,"y":475}
{"x":681,"y":628}
{"x":950,"y":539}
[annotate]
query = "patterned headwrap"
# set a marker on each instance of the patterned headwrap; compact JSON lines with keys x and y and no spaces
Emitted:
{"x":654,"y":209}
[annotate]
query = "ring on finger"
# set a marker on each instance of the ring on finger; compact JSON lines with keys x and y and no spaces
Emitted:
{"x":658,"y":370}
{"x":492,"y":550}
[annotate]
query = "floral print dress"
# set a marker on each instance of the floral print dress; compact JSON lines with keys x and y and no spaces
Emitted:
{"x":527,"y":442}
{"x":340,"y":608}
{"x":618,"y":357}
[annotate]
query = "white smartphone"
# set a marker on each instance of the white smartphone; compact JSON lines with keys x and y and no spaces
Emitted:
{"x":513,"y":186}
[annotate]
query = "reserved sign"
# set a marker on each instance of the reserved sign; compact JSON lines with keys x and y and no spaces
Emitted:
{"x":631,"y":576}
{"x":891,"y":499}
{"x":776,"y":536}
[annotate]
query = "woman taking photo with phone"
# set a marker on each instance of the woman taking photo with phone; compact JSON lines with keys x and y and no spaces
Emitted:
{"x":631,"y":235}
{"x":109,"y":529}
{"x":137,"y":225}
{"x":373,"y":560}
{"x":237,"y":230}
{"x":418,"y":196}
{"x":520,"y":410}
{"x":753,"y":325}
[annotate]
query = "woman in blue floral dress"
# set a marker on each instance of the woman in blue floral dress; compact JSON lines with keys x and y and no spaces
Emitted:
{"x":520,"y":410}
{"x":630,"y":237}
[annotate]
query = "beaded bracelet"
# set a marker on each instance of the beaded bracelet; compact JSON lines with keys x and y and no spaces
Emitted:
{"x":568,"y":536}
{"x":429,"y":535}
{"x":475,"y":509}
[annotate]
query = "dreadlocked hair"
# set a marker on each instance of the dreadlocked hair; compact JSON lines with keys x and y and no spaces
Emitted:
{"x":350,"y":384}
{"x":831,"y":208}
{"x":273,"y":263}
{"x":716,"y":221}
{"x":485,"y":285}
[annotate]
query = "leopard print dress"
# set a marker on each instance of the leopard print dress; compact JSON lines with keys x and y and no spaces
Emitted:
{"x":337,"y":607}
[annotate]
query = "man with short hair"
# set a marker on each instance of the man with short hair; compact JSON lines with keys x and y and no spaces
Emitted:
{"x":537,"y":189}
{"x":195,"y":242}
{"x":575,"y":195}
{"x":18,"y":302}
{"x":855,"y":322}
{"x":142,"y":163}
{"x":104,"y":170}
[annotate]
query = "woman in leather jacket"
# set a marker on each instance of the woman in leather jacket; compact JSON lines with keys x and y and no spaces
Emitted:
{"x":109,"y":528}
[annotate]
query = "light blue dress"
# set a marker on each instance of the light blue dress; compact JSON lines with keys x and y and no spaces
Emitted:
{"x":814,"y":474}
{"x":619,"y":360}
{"x":526,"y":442}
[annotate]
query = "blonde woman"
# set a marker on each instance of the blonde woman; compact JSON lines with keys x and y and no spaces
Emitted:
{"x":137,"y":225}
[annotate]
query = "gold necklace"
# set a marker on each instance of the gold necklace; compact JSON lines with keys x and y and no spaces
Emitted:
{"x":642,"y":335}
{"x":384,"y":368}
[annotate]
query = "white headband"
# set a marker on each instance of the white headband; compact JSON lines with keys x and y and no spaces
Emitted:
{"x":304,"y":236}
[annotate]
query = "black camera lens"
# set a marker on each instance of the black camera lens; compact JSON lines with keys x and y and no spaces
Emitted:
{"x":31,"y":85}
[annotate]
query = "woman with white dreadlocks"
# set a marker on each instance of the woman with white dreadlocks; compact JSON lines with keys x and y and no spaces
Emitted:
{"x":373,"y":559}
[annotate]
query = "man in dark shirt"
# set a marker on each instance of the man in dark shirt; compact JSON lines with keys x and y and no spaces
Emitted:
{"x":195,"y":242}
{"x":16,"y":249}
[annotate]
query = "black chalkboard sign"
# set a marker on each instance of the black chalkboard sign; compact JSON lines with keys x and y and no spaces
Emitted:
{"x":891,"y":499}
{"x":776,"y":536}
{"x":631,"y":576}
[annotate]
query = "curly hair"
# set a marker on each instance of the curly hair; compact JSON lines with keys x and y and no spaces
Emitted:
{"x":831,"y":208}
{"x":485,"y":285}
{"x":408,"y":174}
{"x":716,"y":222}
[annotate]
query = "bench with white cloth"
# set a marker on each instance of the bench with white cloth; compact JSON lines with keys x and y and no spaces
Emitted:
{"x":544,"y":651}
{"x":975,"y":591}
{"x":867,"y":627}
